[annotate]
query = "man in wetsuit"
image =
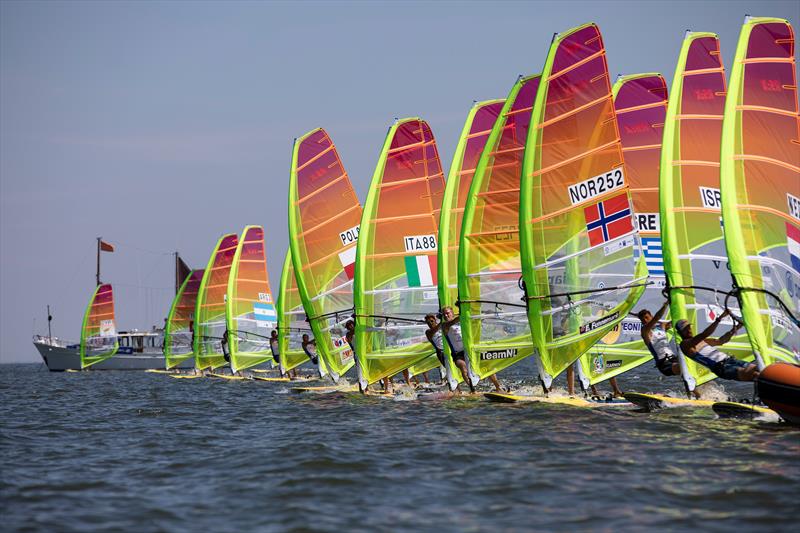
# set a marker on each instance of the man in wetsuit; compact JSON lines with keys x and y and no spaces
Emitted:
{"x":310,"y":348}
{"x":702,"y":349}
{"x":274,"y":346}
{"x":434,"y":335}
{"x":655,"y":338}
{"x":451,"y":328}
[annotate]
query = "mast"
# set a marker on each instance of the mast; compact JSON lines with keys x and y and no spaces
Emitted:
{"x":97,"y":274}
{"x":49,"y":320}
{"x":177,"y":273}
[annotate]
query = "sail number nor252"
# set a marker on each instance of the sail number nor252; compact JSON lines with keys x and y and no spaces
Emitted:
{"x":596,"y":186}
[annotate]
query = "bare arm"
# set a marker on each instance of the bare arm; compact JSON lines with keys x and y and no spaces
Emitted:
{"x":703,"y":335}
{"x":724,"y":338}
{"x":447,"y":323}
{"x":647,"y":328}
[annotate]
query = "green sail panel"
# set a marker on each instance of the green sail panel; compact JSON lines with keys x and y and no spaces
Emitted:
{"x":396,"y":271}
{"x":324,"y":217}
{"x":210,"y":313}
{"x":478,"y":126}
{"x":292,"y":323}
{"x":581,"y":266}
{"x":494,"y":324}
{"x":249,"y":307}
{"x":179,"y":329}
{"x":640,"y":102}
{"x":98,"y":330}
{"x":695,"y":259}
{"x":760,"y":187}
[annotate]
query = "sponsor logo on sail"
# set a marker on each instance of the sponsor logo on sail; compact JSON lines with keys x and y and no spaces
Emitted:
{"x":599,"y":323}
{"x":493,"y":355}
{"x":596,"y":186}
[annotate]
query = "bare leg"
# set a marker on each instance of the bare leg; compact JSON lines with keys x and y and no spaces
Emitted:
{"x":497,"y":387}
{"x":387,"y":384}
{"x":465,"y":374}
{"x":615,"y":388}
{"x":425,"y":377}
{"x":594,"y":390}
{"x":571,"y":380}
{"x":407,"y":377}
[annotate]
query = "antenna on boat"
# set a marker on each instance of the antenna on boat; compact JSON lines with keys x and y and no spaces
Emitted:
{"x":49,"y":320}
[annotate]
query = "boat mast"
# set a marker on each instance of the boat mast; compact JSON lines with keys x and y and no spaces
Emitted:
{"x":49,"y":320}
{"x":97,"y":275}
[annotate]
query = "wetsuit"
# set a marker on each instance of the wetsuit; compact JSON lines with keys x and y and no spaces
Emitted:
{"x":455,"y":342}
{"x":658,"y":344}
{"x":307,"y":348}
{"x":720,"y":363}
{"x":436,"y":340}
{"x":274,"y":346}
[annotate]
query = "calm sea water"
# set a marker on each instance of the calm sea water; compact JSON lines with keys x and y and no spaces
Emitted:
{"x":145,"y":452}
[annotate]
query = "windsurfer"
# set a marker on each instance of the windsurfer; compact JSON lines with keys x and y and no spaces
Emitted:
{"x":655,"y":338}
{"x":274,"y":346}
{"x":310,"y":348}
{"x":702,"y":349}
{"x":451,"y":329}
{"x":350,"y":337}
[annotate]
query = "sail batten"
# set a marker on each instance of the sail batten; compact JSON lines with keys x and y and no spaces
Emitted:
{"x":210,"y":315}
{"x":576,"y":214}
{"x":324,"y":219}
{"x":760,"y":187}
{"x":99,"y":330}
{"x":396,"y":254}
{"x":180,"y":325}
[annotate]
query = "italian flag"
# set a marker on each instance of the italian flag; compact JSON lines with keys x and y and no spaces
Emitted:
{"x":421,"y":270}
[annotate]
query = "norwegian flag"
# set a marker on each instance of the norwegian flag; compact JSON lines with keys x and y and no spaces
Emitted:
{"x":609,"y":219}
{"x":348,"y":260}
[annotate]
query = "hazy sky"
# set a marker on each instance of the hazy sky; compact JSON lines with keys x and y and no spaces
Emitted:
{"x":161,"y":126}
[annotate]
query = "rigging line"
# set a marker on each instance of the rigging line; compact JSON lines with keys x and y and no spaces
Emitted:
{"x":459,"y":302}
{"x":330,"y":314}
{"x":387,"y":318}
{"x":245,"y":334}
{"x":592,"y":291}
{"x":735,"y":292}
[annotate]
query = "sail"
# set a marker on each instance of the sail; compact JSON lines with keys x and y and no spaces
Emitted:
{"x":292,"y":323}
{"x":691,"y":223}
{"x":494,"y":324}
{"x":250,"y":309}
{"x":99,"y":331}
{"x":324,"y":217}
{"x":477,"y":128}
{"x":579,"y":254}
{"x":179,"y":328}
{"x":396,"y":274}
{"x":760,"y":187}
{"x":640,"y":101}
{"x":210,"y":319}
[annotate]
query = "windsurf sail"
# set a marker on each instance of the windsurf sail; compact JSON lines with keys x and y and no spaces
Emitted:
{"x":179,"y":329}
{"x":396,"y":271}
{"x":760,"y":187}
{"x":292,"y":323}
{"x":640,"y":102}
{"x":493,"y":320}
{"x":210,"y":321}
{"x":695,"y":260}
{"x":250,"y":309}
{"x":477,"y":128}
{"x":581,"y":267}
{"x":324,"y":218}
{"x":99,"y":331}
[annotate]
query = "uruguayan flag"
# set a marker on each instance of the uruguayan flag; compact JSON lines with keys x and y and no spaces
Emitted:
{"x":653,"y":255}
{"x":265,"y":312}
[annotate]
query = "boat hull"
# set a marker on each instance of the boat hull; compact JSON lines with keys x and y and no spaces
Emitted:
{"x":778,"y":386}
{"x":60,"y":359}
